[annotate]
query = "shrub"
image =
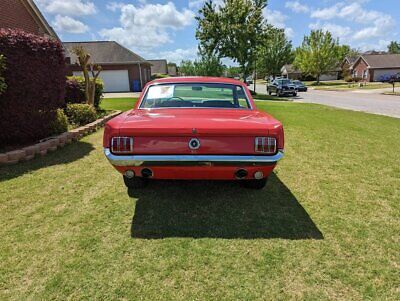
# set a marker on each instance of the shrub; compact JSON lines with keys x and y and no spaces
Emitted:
{"x":75,"y":90}
{"x":60,"y":124}
{"x":35,"y":77}
{"x":357,"y":79}
{"x":159,"y":75}
{"x":3,"y":84}
{"x":80,"y":114}
{"x":348,"y":79}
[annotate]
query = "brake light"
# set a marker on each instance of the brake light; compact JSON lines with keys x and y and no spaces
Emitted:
{"x":265,"y":145}
{"x":122,"y":145}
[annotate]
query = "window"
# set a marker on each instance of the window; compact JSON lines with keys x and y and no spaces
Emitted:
{"x":195,"y":95}
{"x":365,"y":74}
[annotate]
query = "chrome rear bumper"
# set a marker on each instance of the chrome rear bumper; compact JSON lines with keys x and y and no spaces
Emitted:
{"x":190,"y":160}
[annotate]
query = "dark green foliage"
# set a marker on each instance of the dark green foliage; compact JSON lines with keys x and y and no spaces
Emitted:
{"x":80,"y":114}
{"x":75,"y":90}
{"x":60,"y":123}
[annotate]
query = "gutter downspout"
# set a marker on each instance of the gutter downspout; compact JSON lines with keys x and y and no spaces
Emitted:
{"x":140,"y":76}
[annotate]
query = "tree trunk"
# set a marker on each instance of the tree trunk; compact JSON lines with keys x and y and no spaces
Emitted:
{"x":87,"y":83}
{"x":91,"y":92}
{"x":318,"y":75}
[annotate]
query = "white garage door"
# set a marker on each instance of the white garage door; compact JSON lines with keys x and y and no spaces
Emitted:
{"x":114,"y":80}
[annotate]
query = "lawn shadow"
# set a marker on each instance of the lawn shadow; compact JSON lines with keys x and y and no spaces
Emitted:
{"x":67,"y":154}
{"x":216,"y":209}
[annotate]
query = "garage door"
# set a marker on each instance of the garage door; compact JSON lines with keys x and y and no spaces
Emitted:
{"x":114,"y":80}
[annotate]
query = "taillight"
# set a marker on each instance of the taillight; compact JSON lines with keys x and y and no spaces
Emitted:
{"x":122,"y":145}
{"x":266,"y":145}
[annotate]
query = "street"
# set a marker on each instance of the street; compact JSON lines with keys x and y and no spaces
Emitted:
{"x":371,"y":102}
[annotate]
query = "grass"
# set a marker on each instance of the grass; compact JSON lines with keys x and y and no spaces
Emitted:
{"x":122,"y":104}
{"x":341,"y":85}
{"x":125,"y":104}
{"x":325,"y":228}
{"x":392,"y":93}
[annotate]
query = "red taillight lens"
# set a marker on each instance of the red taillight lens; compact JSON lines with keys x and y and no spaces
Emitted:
{"x":266,"y":145}
{"x":122,"y":145}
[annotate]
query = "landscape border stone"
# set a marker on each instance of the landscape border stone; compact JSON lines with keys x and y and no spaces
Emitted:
{"x":51,"y":144}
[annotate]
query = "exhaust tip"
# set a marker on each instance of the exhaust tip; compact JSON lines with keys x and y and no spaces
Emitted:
{"x":129,"y":174}
{"x":147,"y":173}
{"x":241,"y":174}
{"x":258,"y":175}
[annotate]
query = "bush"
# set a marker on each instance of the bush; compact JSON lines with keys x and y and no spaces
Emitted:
{"x":3,"y":84}
{"x":35,"y":78}
{"x":348,"y":79}
{"x":159,"y":75}
{"x":75,"y":90}
{"x":80,"y":114}
{"x":60,"y":124}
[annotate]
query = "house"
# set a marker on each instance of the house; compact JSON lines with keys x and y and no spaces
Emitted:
{"x":122,"y":69}
{"x":290,"y":72}
{"x":24,"y":14}
{"x":373,"y":67}
{"x":158,"y":67}
{"x":349,"y":61}
{"x":172,"y":69}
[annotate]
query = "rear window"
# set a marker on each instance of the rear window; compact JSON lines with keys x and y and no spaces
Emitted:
{"x":195,"y":95}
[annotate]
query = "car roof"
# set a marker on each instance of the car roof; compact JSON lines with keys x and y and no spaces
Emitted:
{"x":197,"y":79}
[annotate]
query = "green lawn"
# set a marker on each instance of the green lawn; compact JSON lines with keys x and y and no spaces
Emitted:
{"x":326,"y":227}
{"x":122,"y":104}
{"x":125,"y":104}
{"x":341,"y":85}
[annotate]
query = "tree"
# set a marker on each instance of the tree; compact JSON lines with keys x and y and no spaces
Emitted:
{"x":3,"y":84}
{"x":90,"y":71}
{"x":205,"y":66}
{"x":187,"y":68}
{"x":274,"y":51}
{"x":232,"y":30}
{"x":317,"y":54}
{"x":394,"y":47}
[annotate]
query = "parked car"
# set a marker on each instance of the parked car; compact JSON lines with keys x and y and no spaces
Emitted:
{"x":194,"y":128}
{"x":281,"y":87}
{"x":299,"y":86}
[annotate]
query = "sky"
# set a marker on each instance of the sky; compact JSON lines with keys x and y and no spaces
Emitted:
{"x":158,"y":29}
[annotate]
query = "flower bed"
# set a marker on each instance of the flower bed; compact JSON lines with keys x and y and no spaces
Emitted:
{"x":52,"y":143}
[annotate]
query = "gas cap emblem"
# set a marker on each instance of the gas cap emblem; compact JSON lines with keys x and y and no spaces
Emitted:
{"x":194,"y":143}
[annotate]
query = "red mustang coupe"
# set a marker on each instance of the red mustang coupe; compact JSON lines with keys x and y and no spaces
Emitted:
{"x":194,"y":128}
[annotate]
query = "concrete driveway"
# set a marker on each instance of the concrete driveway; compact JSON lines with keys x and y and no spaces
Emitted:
{"x":366,"y":102}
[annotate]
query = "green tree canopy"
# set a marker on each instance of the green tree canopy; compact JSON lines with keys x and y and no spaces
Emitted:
{"x":274,"y":51}
{"x":232,"y":30}
{"x":394,"y":47}
{"x":318,"y":54}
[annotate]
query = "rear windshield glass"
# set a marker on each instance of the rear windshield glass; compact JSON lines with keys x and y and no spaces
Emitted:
{"x":198,"y":95}
{"x":283,"y":81}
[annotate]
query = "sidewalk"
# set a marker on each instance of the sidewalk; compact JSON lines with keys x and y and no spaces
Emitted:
{"x":122,"y":95}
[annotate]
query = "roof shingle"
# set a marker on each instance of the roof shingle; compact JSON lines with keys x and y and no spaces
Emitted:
{"x":389,"y":61}
{"x":105,"y":52}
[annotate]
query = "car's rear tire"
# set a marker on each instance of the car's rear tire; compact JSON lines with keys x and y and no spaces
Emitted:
{"x":294,"y":94}
{"x":278,"y":93}
{"x":255,"y":184}
{"x":135,"y":182}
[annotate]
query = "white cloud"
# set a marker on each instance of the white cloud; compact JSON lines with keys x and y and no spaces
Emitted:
{"x":148,"y":25}
{"x":337,"y":31}
{"x":278,"y":19}
{"x":70,"y":25}
{"x":114,"y":6}
{"x":177,"y":55}
{"x":326,"y":13}
{"x":69,"y":7}
{"x":380,"y":25}
{"x":297,"y":7}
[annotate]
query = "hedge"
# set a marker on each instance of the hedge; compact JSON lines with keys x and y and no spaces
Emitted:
{"x":75,"y":90}
{"x":35,"y":78}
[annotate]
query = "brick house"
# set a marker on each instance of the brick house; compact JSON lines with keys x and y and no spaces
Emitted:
{"x":122,"y":69}
{"x":24,"y":14}
{"x":289,"y":71}
{"x":373,"y":67}
{"x":158,"y":67}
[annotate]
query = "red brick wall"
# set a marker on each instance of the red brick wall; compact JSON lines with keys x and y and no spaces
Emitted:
{"x":133,"y":71}
{"x":14,"y":14}
{"x":359,"y":68}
